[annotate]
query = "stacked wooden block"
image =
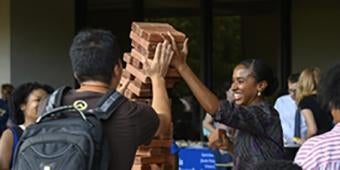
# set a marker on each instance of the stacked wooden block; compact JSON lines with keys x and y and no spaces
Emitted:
{"x":145,"y":37}
{"x":155,"y":156}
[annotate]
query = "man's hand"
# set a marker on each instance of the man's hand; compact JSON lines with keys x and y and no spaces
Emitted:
{"x":179,"y":59}
{"x":156,"y":69}
{"x":159,"y":65}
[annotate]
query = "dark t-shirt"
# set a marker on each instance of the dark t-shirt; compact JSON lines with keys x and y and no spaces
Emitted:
{"x":323,"y":119}
{"x":131,"y":125}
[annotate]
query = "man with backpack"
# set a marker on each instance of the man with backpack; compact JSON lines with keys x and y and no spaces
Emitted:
{"x":96,"y":65}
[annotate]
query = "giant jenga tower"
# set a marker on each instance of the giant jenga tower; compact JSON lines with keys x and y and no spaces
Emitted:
{"x":144,"y":38}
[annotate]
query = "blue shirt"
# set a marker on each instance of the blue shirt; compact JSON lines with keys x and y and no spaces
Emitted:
{"x":3,"y":115}
{"x":286,"y":107}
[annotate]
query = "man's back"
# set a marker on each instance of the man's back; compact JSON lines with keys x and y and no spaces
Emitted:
{"x":131,"y":125}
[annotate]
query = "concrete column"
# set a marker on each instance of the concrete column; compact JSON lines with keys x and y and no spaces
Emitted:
{"x":5,"y":41}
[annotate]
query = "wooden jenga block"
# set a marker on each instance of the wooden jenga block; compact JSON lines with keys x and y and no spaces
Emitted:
{"x":157,"y":143}
{"x":142,"y":50}
{"x":135,"y":62}
{"x":137,"y":55}
{"x":153,"y":152}
{"x":156,"y":167}
{"x":147,"y":45}
{"x":145,"y":37}
{"x":150,"y":160}
{"x":127,"y":58}
{"x":137,"y":73}
{"x":127,"y":75}
{"x":122,"y":81}
{"x":132,"y":60}
{"x":140,"y":92}
{"x":165,"y":166}
{"x":146,"y":51}
{"x":140,"y":84}
{"x":165,"y":136}
{"x":152,"y":31}
{"x":141,"y":167}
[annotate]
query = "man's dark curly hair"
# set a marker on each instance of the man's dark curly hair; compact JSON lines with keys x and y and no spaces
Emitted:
{"x":94,"y":53}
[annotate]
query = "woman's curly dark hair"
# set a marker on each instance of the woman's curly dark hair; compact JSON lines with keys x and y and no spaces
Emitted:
{"x":329,"y":87}
{"x":19,"y":97}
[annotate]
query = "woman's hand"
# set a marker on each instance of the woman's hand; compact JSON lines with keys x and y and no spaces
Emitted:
{"x":179,"y":60}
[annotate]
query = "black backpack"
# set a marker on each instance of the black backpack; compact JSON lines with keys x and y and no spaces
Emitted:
{"x":67,"y":137}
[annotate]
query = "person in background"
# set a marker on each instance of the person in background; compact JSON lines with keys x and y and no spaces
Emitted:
{"x":317,"y":119}
{"x":286,"y":106}
{"x":259,"y":136}
{"x":6,"y":91}
{"x":24,"y":105}
{"x":322,"y":151}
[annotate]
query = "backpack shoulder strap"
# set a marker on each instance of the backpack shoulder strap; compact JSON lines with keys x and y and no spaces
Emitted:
{"x":108,"y":104}
{"x":54,"y":103}
{"x":55,"y":99}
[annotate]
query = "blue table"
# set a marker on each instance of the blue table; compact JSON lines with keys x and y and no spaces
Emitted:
{"x":202,"y":159}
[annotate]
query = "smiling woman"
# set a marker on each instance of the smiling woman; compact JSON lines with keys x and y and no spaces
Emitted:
{"x":252,"y":79}
{"x":24,"y":104}
{"x":259,"y":130}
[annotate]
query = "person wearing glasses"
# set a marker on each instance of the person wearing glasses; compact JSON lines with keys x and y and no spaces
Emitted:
{"x":287,"y":107}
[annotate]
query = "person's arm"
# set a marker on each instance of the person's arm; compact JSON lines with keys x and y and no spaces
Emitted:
{"x":156,"y":70}
{"x":205,"y":97}
{"x":310,"y":122}
{"x":6,"y":143}
{"x":252,"y":119}
{"x":248,"y":119}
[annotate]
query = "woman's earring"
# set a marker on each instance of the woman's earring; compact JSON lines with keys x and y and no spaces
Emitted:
{"x":258,"y":93}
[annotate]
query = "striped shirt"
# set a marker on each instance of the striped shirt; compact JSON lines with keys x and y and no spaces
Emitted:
{"x":321,"y":152}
